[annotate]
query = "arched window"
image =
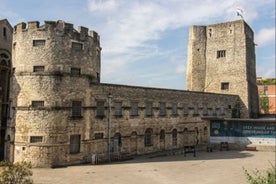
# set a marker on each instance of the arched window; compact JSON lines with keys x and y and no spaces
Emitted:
{"x":174,"y":137}
{"x":148,"y":137}
{"x":162,"y":135}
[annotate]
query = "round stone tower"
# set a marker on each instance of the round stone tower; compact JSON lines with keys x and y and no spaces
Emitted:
{"x":54,"y":67}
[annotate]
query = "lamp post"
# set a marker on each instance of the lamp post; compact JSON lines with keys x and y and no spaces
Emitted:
{"x":108,"y":126}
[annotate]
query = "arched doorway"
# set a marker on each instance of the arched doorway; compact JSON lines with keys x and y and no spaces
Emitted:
{"x":117,"y":143}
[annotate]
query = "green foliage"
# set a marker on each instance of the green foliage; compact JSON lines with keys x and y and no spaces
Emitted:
{"x":18,"y":173}
{"x":257,"y":177}
{"x":236,"y":110}
{"x":264,"y":102}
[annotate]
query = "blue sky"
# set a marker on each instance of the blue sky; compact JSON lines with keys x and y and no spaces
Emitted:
{"x":144,"y":42}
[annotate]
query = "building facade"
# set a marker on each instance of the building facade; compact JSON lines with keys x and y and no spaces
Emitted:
{"x":62,"y":114}
{"x":267,"y":95}
{"x":221,"y":59}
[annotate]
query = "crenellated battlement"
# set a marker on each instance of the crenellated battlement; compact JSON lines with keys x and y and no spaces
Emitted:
{"x":58,"y":26}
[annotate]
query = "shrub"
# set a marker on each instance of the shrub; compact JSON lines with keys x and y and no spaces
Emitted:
{"x":257,"y":177}
{"x":17,"y":173}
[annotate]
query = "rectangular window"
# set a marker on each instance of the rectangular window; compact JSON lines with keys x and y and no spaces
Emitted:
{"x":205,"y":109}
{"x":224,"y":85}
{"x":174,"y":109}
{"x":162,"y":111}
{"x":38,"y":69}
{"x":98,"y":135}
{"x":196,"y":109}
{"x":185,"y":109}
{"x":76,"y":108}
{"x":37,"y":103}
{"x":75,"y":71}
{"x":134,"y":109}
{"x":222,"y":110}
{"x":100,"y":109}
{"x":149,"y":109}
{"x":74,"y":144}
{"x":118,"y":109}
{"x":214,"y":111}
{"x":4,"y":32}
{"x":77,"y":46}
{"x":221,"y":53}
{"x":38,"y":43}
{"x":35,"y":139}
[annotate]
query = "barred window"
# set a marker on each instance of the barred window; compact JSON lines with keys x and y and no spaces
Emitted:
{"x":35,"y":139}
{"x":149,"y":109}
{"x":37,"y":103}
{"x":74,"y":144}
{"x":118,"y":109}
{"x":162,"y":109}
{"x":76,"y":108}
{"x":148,"y":137}
{"x":77,"y":46}
{"x":221,"y":53}
{"x":75,"y":71}
{"x":205,"y":109}
{"x":38,"y":69}
{"x":100,"y":109}
{"x":195,"y":109}
{"x":174,"y":109}
{"x":134,"y":109}
{"x":185,"y":109}
{"x":38,"y":43}
{"x":99,"y":135}
{"x":222,"y":110}
{"x":214,"y":111}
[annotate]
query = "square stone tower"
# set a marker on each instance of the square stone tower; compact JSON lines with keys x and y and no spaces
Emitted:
{"x":221,"y":59}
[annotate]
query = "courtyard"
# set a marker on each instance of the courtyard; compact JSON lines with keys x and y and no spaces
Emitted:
{"x":207,"y":167}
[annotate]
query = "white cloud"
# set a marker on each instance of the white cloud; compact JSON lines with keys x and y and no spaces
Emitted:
{"x":265,"y":36}
{"x":130,"y":29}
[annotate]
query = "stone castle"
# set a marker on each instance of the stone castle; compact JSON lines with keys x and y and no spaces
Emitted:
{"x":55,"y":111}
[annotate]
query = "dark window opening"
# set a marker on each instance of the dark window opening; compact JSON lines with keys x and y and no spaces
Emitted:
{"x":221,"y":53}
{"x":224,"y":85}
{"x":162,"y":111}
{"x":162,"y":135}
{"x":38,"y":69}
{"x":174,"y":109}
{"x":38,"y":43}
{"x":149,"y":109}
{"x":74,"y":144}
{"x":134,"y":109}
{"x":99,"y":135}
{"x":35,"y":139}
{"x":174,"y":137}
{"x":4,"y":32}
{"x":37,"y":103}
{"x":76,"y":108}
{"x":148,"y":137}
{"x":100,"y":109}
{"x":75,"y":71}
{"x":77,"y":46}
{"x":118,"y":109}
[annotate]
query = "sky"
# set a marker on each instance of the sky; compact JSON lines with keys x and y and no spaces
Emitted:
{"x":144,"y":42}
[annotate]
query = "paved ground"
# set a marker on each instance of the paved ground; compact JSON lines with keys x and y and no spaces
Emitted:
{"x":224,"y":167}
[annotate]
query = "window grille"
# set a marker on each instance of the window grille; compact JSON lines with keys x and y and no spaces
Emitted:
{"x":224,"y":85}
{"x":221,"y":53}
{"x":134,"y":109}
{"x":149,"y":109}
{"x":76,"y":108}
{"x":162,"y":109}
{"x":74,"y":144}
{"x":35,"y":139}
{"x":148,"y":137}
{"x":100,"y":109}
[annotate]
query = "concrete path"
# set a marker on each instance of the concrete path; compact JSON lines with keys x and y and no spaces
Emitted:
{"x":225,"y":167}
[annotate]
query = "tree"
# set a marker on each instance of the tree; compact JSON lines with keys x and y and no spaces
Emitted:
{"x":264,"y":102}
{"x":17,"y":173}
